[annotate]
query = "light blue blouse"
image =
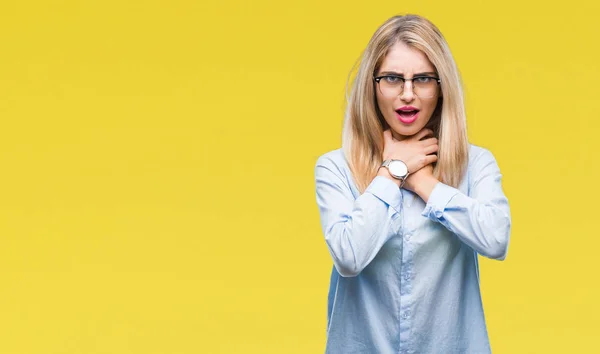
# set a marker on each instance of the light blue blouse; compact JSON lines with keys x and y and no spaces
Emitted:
{"x":405,"y":277}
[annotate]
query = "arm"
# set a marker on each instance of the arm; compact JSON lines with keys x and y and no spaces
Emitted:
{"x":354,"y":229}
{"x":482,"y":221}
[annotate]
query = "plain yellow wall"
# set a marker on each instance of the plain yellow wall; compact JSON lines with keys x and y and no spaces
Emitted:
{"x":157,"y":158}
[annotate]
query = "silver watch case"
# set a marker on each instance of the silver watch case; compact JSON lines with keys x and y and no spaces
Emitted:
{"x":397,"y":168}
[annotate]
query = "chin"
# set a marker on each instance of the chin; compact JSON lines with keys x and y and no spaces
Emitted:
{"x":410,"y":130}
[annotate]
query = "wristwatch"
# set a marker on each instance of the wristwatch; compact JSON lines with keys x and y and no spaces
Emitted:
{"x":397,"y":169}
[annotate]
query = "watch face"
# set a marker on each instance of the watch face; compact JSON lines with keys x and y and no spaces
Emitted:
{"x":398,"y":168}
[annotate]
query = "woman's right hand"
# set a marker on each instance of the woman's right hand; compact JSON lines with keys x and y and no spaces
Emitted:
{"x":413,"y":151}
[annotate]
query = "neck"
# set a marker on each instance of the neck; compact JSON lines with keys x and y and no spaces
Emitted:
{"x":398,"y":136}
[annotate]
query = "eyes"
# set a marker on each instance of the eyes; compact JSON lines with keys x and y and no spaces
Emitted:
{"x":390,"y":79}
{"x":423,"y":85}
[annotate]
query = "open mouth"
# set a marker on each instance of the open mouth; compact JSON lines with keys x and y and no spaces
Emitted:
{"x":407,"y":116}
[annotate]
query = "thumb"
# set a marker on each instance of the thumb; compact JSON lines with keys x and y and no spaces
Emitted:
{"x":387,"y":136}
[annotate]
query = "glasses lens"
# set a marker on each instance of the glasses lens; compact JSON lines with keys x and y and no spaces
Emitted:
{"x":390,"y":86}
{"x":425,"y":87}
{"x":422,"y":87}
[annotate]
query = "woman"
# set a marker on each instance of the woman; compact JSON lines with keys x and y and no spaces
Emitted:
{"x":407,"y":204}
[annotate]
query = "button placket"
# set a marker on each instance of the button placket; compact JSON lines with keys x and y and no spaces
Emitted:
{"x":405,"y":293}
{"x":406,"y":273}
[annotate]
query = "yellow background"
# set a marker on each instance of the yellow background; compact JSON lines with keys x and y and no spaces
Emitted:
{"x":156,"y":169}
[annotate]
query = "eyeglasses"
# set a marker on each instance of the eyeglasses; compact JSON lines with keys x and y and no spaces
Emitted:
{"x":393,"y":85}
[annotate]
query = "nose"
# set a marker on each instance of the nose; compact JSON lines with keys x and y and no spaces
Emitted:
{"x":407,"y":93}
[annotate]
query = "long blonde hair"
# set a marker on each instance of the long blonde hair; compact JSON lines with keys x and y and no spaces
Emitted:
{"x":362,"y":137}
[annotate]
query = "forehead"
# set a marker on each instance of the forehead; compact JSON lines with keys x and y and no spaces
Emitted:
{"x":406,"y":60}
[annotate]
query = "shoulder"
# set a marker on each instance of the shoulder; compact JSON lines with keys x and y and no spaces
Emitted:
{"x":333,"y":160}
{"x":475,"y":152}
{"x":480,"y":158}
{"x":333,"y":163}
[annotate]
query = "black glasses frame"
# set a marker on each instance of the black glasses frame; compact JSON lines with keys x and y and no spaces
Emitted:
{"x":378,"y":78}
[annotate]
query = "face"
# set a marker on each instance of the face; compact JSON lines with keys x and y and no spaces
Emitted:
{"x":405,"y":112}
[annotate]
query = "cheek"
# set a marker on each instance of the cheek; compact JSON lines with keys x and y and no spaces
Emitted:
{"x":383,"y":104}
{"x":429,"y":108}
{"x":379,"y":100}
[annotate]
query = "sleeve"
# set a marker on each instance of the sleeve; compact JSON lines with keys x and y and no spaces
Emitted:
{"x":354,"y":229}
{"x":482,"y":221}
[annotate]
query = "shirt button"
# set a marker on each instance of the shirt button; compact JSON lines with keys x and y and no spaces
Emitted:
{"x":407,"y":237}
{"x":405,"y":314}
{"x":406,"y":276}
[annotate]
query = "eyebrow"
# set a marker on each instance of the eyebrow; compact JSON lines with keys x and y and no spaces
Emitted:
{"x":383,"y":73}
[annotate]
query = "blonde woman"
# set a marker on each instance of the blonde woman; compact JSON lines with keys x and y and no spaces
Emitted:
{"x":407,"y":204}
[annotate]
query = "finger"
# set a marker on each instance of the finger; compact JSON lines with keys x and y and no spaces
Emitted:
{"x":423,"y":133}
{"x":430,"y":141}
{"x":431,"y":149}
{"x":429,"y":159}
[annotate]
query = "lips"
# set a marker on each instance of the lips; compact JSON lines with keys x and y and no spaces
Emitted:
{"x":407,"y":115}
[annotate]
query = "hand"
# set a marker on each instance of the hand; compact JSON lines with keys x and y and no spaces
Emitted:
{"x":413,"y":151}
{"x":421,"y":182}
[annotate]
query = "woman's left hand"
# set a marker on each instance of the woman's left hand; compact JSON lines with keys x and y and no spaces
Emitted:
{"x":421,"y":182}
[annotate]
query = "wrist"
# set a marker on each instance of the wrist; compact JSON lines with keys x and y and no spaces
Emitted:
{"x":425,"y":186}
{"x":383,"y":171}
